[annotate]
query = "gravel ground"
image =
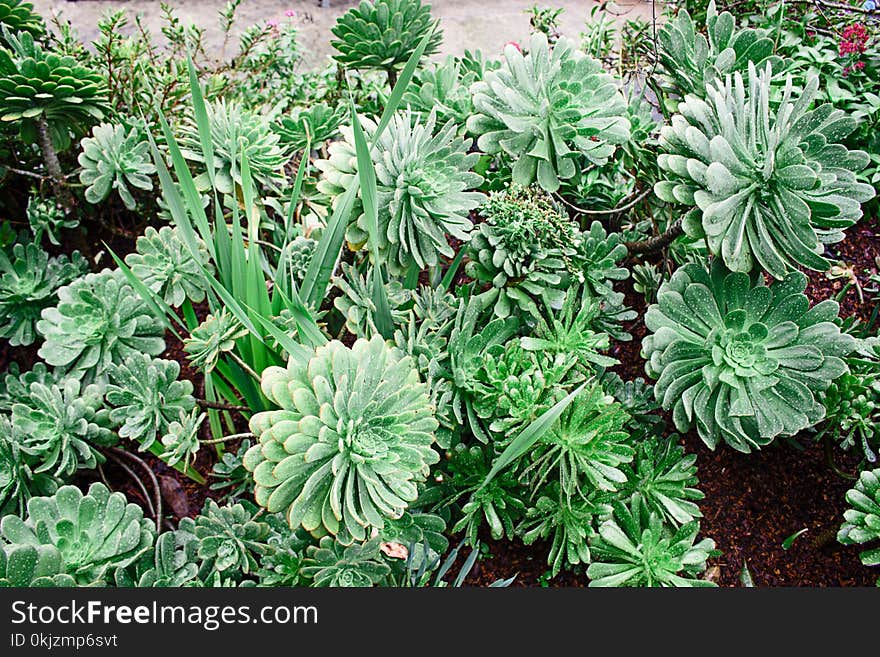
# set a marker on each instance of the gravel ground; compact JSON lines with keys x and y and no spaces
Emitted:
{"x":467,"y":24}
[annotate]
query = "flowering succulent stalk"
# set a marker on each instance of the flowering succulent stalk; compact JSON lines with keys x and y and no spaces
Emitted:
{"x":771,"y":184}
{"x":28,"y":283}
{"x":548,"y":110}
{"x":742,"y":361}
{"x":351,"y":441}
{"x":99,"y":319}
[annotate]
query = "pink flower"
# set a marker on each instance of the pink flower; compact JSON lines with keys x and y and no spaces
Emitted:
{"x":273,"y":23}
{"x":514,"y":44}
{"x":290,"y":13}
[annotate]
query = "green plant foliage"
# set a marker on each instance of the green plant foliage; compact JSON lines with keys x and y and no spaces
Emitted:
{"x":229,"y":474}
{"x":46,"y":218}
{"x":665,"y":477}
{"x":356,"y":301}
{"x":567,"y":523}
{"x":35,"y":566}
{"x":312,"y":126}
{"x":383,"y":34}
{"x":61,"y":426}
{"x":443,"y":89}
{"x":146,"y":395}
{"x":181,"y":440}
{"x":692,"y":61}
{"x":18,"y":481}
{"x":770,"y":183}
{"x":299,"y":254}
{"x":522,"y":249}
{"x":229,"y":539}
{"x":742,"y":361}
{"x":635,"y":548}
{"x":166,"y":265}
{"x":236,"y":132}
{"x":331,"y":564}
{"x":37,"y":85}
{"x":99,"y":319}
{"x":599,"y":253}
{"x":549,"y":110}
{"x":422,"y":177}
{"x":173,"y":563}
{"x":112,"y":159}
{"x":94,"y":533}
{"x":352,"y":439}
{"x":647,"y":279}
{"x":863,"y":517}
{"x":211,"y":339}
{"x":29,"y":282}
{"x":18,"y":16}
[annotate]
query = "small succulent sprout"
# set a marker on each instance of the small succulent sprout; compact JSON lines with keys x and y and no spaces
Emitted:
{"x":548,"y":110}
{"x":768,"y":182}
{"x":62,"y":426}
{"x":635,"y":548}
{"x":211,"y":339}
{"x":95,"y":533}
{"x":299,"y":254}
{"x":36,"y":85}
{"x":114,"y":158}
{"x":229,"y":474}
{"x":312,"y":126}
{"x":165,"y":264}
{"x":230,"y":540}
{"x":29,"y":282}
{"x":356,"y":301}
{"x":18,"y":481}
{"x":181,"y":440}
{"x":331,"y":564}
{"x":423,"y":178}
{"x":99,"y":320}
{"x":45,"y":217}
{"x":862,"y":519}
{"x":353,"y":438}
{"x":145,"y":396}
{"x":742,"y":361}
{"x":236,"y":132}
{"x":383,"y":34}
{"x":32,"y":566}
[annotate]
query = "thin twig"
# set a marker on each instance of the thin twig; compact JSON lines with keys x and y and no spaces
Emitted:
{"x":659,"y":241}
{"x":153,"y":480}
{"x":621,"y":208}
{"x":247,"y":368}
{"x":226,"y":439}
{"x":220,"y":406}
{"x":29,"y":174}
{"x":131,"y":473}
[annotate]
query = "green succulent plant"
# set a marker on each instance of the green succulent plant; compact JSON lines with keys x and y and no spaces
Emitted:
{"x":852,"y":410}
{"x":36,"y":85}
{"x":18,"y":16}
{"x":181,"y":439}
{"x":523,"y":249}
{"x":236,"y":132}
{"x":15,"y":386}
{"x":282,"y":565}
{"x":29,"y":282}
{"x":229,"y":474}
{"x":164,"y":263}
{"x":299,"y":254}
{"x":423,"y":175}
{"x":664,"y":476}
{"x":94,"y":533}
{"x":313,"y":125}
{"x":229,"y":538}
{"x":172,"y":564}
{"x":742,"y":361}
{"x":647,"y":279}
{"x":114,"y":158}
{"x":383,"y":34}
{"x":32,"y":566}
{"x":692,"y":61}
{"x":769,"y":183}
{"x":99,"y":320}
{"x":211,"y":339}
{"x":46,"y":218}
{"x":569,"y":524}
{"x":596,"y":263}
{"x":356,"y":301}
{"x":550,"y":110}
{"x":635,"y":548}
{"x":61,"y":426}
{"x":443,"y":89}
{"x":863,"y":517}
{"x":417,"y":531}
{"x":146,"y":396}
{"x":331,"y":564}
{"x":352,"y":439}
{"x":637,"y":398}
{"x":18,"y":481}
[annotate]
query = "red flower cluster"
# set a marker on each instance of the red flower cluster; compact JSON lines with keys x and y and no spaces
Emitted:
{"x":854,"y":40}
